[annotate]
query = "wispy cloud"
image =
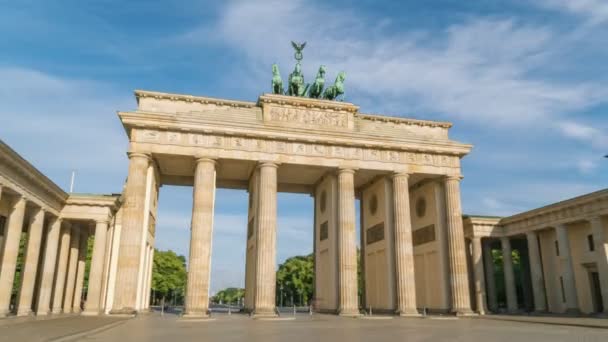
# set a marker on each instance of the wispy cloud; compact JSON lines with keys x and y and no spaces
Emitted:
{"x":594,"y":11}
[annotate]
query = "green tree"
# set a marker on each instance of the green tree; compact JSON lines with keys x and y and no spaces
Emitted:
{"x":168,"y":275}
{"x":296,"y":277}
{"x":231,"y":295}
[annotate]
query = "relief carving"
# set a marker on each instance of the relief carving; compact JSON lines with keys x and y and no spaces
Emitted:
{"x":308,"y":117}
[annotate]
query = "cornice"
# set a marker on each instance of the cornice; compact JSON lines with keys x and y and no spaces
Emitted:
{"x":572,"y":203}
{"x":192,"y":124}
{"x":191,"y":98}
{"x":110,"y":201}
{"x":14,"y":161}
{"x":398,"y":120}
{"x":305,"y":102}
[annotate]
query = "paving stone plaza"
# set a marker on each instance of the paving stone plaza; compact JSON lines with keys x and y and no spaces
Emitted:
{"x":157,"y":328}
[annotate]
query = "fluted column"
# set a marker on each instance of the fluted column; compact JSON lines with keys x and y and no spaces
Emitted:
{"x":30,"y":264}
{"x":266,"y":241}
{"x":82,"y":258}
{"x":480,"y":283}
{"x":488,"y":261}
{"x":93,"y":303}
{"x":567,"y":269}
{"x":457,"y":260}
{"x":507,"y":266}
{"x":48,"y":271}
{"x":62,"y":267}
{"x":536,"y":272}
{"x":347,"y":245}
{"x":601,"y":249}
{"x":404,"y":249}
{"x":127,"y":274}
{"x":149,"y":280}
{"x":70,"y":282}
{"x":11,"y":250}
{"x":197,"y":293}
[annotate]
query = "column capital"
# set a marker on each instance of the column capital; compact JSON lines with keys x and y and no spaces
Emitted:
{"x":453,"y":177}
{"x":139,"y":155}
{"x":204,"y":159}
{"x":102,"y":221}
{"x":401,"y":174}
{"x":350,"y":170}
{"x":268,"y":163}
{"x":595,"y":218}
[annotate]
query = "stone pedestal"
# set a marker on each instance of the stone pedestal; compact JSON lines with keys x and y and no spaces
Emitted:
{"x":11,"y":250}
{"x":265,"y":276}
{"x":129,"y":255}
{"x":199,"y":269}
{"x":347,"y":248}
{"x":459,"y":278}
{"x":567,"y":269}
{"x":404,"y":250}
{"x":62,"y":266}
{"x":507,"y":263}
{"x":48,"y":272}
{"x":480,"y":284}
{"x":536,"y":272}
{"x":30,"y":264}
{"x":70,"y":282}
{"x":93,"y":304}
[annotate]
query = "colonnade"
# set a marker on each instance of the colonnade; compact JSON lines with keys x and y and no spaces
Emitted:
{"x":485,"y":286}
{"x":51,"y":274}
{"x":263,"y":291}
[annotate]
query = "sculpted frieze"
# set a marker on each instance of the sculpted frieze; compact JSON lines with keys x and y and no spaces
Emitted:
{"x":304,"y":116}
{"x":300,"y":148}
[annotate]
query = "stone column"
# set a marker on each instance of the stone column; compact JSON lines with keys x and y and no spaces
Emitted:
{"x":30,"y":264}
{"x":567,"y":269}
{"x":480,"y":283}
{"x":82,"y":258}
{"x":48,"y":272}
{"x":11,"y":250}
{"x":488,"y":261}
{"x":125,"y":298}
{"x":93,"y":304}
{"x":457,"y":260}
{"x":266,"y":241}
{"x":149,"y":280}
{"x":404,"y":249}
{"x":70,"y":282}
{"x":197,"y":292}
{"x":601,"y":249}
{"x":62,"y":266}
{"x":347,"y":244}
{"x":507,"y":263}
{"x":536,"y":272}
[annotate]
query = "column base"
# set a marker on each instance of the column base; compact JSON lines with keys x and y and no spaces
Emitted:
{"x":264,"y":313}
{"x":56,"y":311}
{"x":573,"y":312}
{"x":465,"y":313}
{"x":123,"y":312}
{"x":23,"y":313}
{"x":42,"y":313}
{"x":191,"y":316}
{"x":90,"y":313}
{"x":409,"y":313}
{"x":349,"y":313}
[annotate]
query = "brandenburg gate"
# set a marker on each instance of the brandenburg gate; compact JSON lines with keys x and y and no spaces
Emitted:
{"x":406,"y":174}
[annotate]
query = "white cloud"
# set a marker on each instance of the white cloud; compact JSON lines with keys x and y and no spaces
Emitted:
{"x":595,"y":11}
{"x":60,"y":124}
{"x":481,"y":71}
{"x":596,"y":137}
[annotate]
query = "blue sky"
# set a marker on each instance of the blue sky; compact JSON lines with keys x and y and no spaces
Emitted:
{"x":525,"y":82}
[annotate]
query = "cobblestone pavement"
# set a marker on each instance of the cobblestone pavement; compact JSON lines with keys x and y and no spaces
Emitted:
{"x":153,"y":327}
{"x":35,"y":330}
